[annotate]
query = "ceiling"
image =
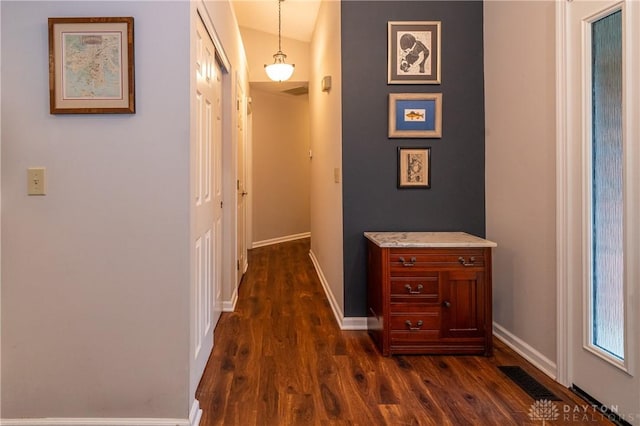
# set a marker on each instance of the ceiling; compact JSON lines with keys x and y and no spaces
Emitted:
{"x":298,"y":16}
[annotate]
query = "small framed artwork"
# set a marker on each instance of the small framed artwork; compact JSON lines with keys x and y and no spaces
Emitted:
{"x":91,"y":66}
{"x":415,"y":115}
{"x":414,"y":52}
{"x":414,"y":167}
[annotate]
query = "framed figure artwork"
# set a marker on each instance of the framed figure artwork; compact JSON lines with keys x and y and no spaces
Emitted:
{"x":414,"y":52}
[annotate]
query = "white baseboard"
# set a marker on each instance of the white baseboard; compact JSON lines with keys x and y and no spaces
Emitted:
{"x":278,"y":240}
{"x":526,"y":351}
{"x":96,"y":422}
{"x":195,"y":414}
{"x":194,"y":420}
{"x":354,"y":323}
{"x":335,"y":307}
{"x":230,"y":305}
{"x":348,"y":323}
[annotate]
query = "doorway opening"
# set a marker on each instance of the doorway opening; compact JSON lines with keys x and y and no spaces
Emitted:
{"x":280,"y":163}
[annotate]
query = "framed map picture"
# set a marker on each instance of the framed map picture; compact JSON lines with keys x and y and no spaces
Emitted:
{"x":414,"y":167}
{"x":415,"y":115}
{"x":414,"y":52}
{"x":91,"y":66}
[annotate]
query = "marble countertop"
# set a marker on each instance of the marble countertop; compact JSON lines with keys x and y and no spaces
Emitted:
{"x":427,"y":239}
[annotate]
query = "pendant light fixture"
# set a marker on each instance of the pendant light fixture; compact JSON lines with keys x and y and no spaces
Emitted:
{"x":279,"y":70}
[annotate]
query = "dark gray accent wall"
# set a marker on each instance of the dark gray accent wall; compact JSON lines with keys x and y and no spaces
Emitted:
{"x":371,"y":199}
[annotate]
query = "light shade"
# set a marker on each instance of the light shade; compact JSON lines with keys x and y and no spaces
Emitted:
{"x":279,"y":70}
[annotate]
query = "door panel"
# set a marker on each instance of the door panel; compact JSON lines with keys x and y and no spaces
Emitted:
{"x":242,"y":184}
{"x":463,"y":302}
{"x":602,"y":358}
{"x":207,"y":198}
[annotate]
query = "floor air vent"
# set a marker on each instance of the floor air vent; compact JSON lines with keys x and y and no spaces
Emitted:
{"x":528,"y":384}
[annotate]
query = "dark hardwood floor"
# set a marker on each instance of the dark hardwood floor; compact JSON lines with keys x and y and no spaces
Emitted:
{"x":280,"y":359}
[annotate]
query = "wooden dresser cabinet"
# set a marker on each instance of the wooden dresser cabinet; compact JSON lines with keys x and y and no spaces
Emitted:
{"x":429,"y":293}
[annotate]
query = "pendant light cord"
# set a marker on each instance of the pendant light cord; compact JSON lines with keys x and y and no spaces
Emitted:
{"x":279,"y":70}
{"x":279,"y":25}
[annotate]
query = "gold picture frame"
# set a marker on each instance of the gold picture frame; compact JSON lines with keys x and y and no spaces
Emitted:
{"x":91,"y":66}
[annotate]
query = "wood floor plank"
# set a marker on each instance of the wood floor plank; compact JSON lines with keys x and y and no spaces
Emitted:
{"x":281,"y":359}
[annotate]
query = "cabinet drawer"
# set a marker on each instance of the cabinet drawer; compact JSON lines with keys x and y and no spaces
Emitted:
{"x":402,"y":339}
{"x":407,"y":260}
{"x":427,"y":319}
{"x":421,"y":289}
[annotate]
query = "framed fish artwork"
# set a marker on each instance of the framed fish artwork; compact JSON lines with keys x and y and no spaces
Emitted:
{"x":415,"y":115}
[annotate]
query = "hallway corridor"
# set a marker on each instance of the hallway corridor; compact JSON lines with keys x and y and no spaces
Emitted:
{"x":280,"y":359}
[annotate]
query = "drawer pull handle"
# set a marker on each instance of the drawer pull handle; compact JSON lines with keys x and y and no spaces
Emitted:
{"x":411,"y":327}
{"x":472,"y":261}
{"x":446,"y":304}
{"x":407,"y":264}
{"x":418,"y":289}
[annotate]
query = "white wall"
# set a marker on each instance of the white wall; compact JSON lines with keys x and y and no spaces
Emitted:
{"x":95,"y":275}
{"x":519,"y":43}
{"x":95,"y":301}
{"x":326,"y":143}
{"x":280,"y":174}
